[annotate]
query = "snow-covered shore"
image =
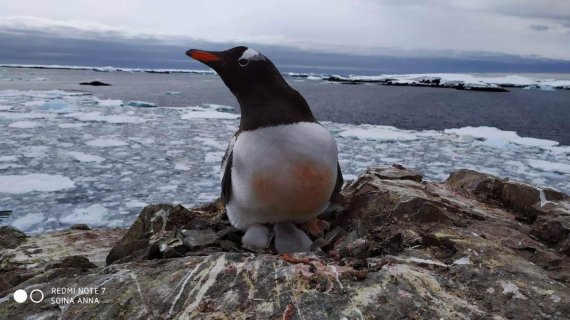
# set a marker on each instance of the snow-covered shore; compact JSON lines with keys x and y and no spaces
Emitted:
{"x":448,"y":80}
{"x":457,"y":80}
{"x":105,"y":69}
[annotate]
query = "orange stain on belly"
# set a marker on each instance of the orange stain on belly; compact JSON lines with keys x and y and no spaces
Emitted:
{"x":303,"y":190}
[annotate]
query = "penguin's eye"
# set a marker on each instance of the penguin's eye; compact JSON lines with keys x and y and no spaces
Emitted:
{"x":243,"y":62}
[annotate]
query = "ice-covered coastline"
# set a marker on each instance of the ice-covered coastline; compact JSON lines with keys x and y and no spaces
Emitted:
{"x":458,"y":81}
{"x":106,"y":69}
{"x":445,"y":80}
{"x":70,"y":157}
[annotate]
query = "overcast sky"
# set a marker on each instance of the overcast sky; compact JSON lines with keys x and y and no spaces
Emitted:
{"x":409,"y":28}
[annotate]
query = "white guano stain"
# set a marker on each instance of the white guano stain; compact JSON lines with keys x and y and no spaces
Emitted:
{"x":215,"y":270}
{"x":163,"y":214}
{"x":336,"y":275}
{"x":183,"y":283}
{"x":509,"y":287}
{"x":134,"y":277}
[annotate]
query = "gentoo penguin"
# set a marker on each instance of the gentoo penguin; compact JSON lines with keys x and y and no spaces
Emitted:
{"x":281,"y":167}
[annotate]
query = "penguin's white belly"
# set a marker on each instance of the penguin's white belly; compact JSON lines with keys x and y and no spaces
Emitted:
{"x":281,"y":173}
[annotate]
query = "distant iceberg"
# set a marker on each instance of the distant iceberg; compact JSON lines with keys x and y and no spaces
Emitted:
{"x":140,"y":104}
{"x":455,"y":80}
{"x":541,"y":87}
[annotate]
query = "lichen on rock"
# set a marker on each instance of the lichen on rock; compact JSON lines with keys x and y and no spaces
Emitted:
{"x":473,"y":247}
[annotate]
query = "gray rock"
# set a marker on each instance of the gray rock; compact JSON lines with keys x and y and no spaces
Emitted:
{"x":524,"y":201}
{"x":95,"y":83}
{"x":11,"y":237}
{"x":521,"y":198}
{"x":196,"y":239}
{"x":484,"y":186}
{"x":80,"y":226}
{"x":554,"y":231}
{"x":395,"y":172}
{"x":31,"y":257}
{"x":72,"y":262}
{"x":397,"y":249}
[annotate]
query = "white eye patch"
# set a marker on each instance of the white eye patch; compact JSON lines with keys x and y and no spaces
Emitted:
{"x":248,"y":55}
{"x":251,"y":54}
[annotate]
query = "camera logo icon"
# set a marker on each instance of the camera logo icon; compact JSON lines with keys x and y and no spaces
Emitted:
{"x":36,"y":296}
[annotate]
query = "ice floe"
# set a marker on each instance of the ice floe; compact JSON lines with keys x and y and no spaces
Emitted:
{"x":106,"y":143}
{"x":498,"y":138}
{"x":93,"y":215}
{"x":34,"y":151}
{"x":382,"y":133}
{"x":135,"y":204}
{"x":140,"y":104}
{"x":549,"y":166}
{"x":30,"y":219}
{"x":109,"y":102}
{"x":83,"y":165}
{"x":97,"y":116}
{"x":71,"y":125}
{"x":8,"y":158}
{"x":24,"y":124}
{"x":181,"y":166}
{"x":34,"y":182}
{"x":55,"y":105}
{"x":542,"y":87}
{"x":24,"y":115}
{"x":208,"y":111}
{"x":84,"y":157}
{"x":213,"y":157}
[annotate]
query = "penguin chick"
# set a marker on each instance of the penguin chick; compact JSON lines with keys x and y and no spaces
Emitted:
{"x":288,"y":238}
{"x":257,"y":236}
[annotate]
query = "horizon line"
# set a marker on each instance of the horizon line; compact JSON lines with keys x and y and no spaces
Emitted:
{"x":212,"y":72}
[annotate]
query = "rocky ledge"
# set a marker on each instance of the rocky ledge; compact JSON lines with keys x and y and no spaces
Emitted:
{"x":472,"y":247}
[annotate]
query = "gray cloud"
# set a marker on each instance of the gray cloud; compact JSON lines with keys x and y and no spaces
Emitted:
{"x":538,"y":27}
{"x":544,"y":9}
{"x":363,"y":27}
{"x":36,"y":48}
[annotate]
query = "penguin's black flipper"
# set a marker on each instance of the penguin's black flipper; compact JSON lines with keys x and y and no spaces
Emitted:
{"x":227,"y":179}
{"x":226,"y":168}
{"x":339,"y":182}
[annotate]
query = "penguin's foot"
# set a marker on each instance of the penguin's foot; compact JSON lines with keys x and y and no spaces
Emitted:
{"x":257,"y":237}
{"x":288,"y":238}
{"x":316,"y":227}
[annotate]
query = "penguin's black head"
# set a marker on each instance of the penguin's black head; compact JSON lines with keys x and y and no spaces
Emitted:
{"x":264,"y":97}
{"x":243,"y":70}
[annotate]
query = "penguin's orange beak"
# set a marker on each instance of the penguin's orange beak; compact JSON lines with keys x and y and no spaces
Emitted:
{"x":202,"y":56}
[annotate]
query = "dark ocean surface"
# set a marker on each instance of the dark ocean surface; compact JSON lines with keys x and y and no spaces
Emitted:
{"x":531,"y":113}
